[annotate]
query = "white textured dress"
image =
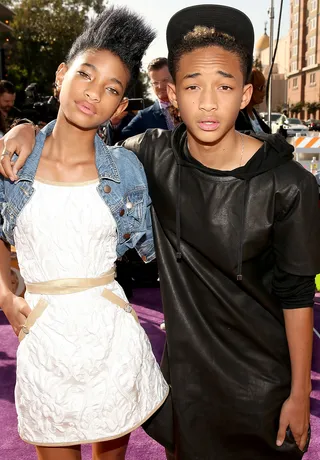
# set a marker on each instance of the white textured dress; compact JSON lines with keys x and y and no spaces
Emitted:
{"x":86,"y":371}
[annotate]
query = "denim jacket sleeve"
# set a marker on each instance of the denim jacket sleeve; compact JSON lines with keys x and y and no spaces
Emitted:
{"x":135,"y":225}
{"x":143,"y":242}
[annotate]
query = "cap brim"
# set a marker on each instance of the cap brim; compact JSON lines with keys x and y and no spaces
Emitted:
{"x":223,"y":18}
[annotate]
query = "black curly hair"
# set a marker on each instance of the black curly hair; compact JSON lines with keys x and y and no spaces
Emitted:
{"x":120,"y":31}
{"x":203,"y":37}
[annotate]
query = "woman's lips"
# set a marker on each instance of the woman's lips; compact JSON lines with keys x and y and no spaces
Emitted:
{"x":85,"y":108}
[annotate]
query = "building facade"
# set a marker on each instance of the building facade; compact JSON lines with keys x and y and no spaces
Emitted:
{"x":304,"y":65}
{"x":279,"y":72}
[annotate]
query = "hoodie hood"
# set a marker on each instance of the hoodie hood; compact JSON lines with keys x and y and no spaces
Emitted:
{"x":274,"y":152}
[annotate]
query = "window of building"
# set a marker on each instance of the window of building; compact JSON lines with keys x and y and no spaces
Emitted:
{"x":313,"y":23}
{"x":312,"y":43}
{"x":295,"y":34}
{"x":295,"y":83}
{"x":313,"y":5}
{"x":294,"y":50}
{"x":312,"y":59}
{"x":294,"y":66}
{"x":312,"y":79}
{"x":295,"y":18}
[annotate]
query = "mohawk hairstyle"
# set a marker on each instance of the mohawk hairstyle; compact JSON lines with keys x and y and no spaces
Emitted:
{"x":120,"y":31}
{"x":203,"y":37}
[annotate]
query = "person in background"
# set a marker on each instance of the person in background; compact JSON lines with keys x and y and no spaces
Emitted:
{"x":7,"y":99}
{"x":157,"y":115}
{"x":113,"y":128}
{"x":283,"y":120}
{"x":248,"y":119}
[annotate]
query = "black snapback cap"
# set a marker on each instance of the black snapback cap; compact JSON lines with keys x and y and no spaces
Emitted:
{"x":223,"y":18}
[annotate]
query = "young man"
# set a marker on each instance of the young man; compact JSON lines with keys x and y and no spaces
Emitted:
{"x":236,"y":226}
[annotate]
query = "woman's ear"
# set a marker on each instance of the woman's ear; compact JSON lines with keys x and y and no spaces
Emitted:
{"x":60,"y":73}
{"x":121,"y":107}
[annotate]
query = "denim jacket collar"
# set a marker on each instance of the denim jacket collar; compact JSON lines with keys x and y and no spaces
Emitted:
{"x":106,"y":166}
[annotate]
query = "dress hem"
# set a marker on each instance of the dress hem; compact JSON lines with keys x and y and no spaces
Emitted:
{"x":110,"y":438}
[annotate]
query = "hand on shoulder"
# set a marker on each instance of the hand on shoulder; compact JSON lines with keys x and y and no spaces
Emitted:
{"x":19,"y":140}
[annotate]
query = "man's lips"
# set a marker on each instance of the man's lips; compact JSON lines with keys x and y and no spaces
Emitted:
{"x":208,"y":125}
{"x":86,"y":107}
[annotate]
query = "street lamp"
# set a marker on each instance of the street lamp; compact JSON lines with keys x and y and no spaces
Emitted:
{"x":271,"y":16}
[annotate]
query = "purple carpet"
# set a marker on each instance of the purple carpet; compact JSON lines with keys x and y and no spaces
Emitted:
{"x":148,"y":305}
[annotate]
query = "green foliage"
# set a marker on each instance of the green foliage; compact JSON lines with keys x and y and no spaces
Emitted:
{"x":312,"y":107}
{"x":43,"y":32}
{"x":297,"y":108}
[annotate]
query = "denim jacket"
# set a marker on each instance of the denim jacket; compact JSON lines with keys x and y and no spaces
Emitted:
{"x":122,"y":186}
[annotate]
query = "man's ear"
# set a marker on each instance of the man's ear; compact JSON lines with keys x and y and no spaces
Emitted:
{"x":121,"y":107}
{"x":172,"y":95}
{"x":246,"y":95}
{"x":60,"y":73}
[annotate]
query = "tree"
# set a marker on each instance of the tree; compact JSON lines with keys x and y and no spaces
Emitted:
{"x":297,"y":108}
{"x":43,"y":32}
{"x":312,"y":108}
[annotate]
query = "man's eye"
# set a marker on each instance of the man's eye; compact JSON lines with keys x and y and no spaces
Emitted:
{"x":192,"y":87}
{"x":225,"y":88}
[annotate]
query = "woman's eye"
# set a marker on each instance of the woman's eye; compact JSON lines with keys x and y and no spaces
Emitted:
{"x":113,"y":91}
{"x":83,"y":74}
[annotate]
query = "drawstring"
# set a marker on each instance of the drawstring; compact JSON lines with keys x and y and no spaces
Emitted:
{"x":242,"y":218}
{"x":178,"y":216}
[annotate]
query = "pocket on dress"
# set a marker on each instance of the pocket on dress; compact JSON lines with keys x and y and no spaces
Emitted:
{"x":32,"y":318}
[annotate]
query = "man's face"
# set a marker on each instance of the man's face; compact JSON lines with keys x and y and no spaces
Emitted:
{"x":209,"y":92}
{"x":159,"y":80}
{"x":6,"y":102}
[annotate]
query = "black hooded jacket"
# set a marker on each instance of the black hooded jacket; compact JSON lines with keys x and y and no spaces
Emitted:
{"x":227,"y":243}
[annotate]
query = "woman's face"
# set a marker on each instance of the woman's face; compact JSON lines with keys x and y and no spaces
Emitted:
{"x":92,"y":88}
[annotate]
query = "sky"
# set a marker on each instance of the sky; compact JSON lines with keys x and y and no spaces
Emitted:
{"x":158,"y":13}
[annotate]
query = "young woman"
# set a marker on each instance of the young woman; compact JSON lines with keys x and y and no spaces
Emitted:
{"x":237,"y":224}
{"x":85,"y":368}
{"x":248,"y":118}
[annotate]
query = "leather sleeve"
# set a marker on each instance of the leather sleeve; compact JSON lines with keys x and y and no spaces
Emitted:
{"x":296,"y":236}
{"x":137,"y":145}
{"x":293,"y":291}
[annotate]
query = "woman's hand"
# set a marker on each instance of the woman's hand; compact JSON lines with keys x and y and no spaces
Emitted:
{"x":19,"y":140}
{"x":16,"y":310}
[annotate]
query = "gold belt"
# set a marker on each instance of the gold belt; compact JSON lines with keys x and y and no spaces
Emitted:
{"x":71,"y":286}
